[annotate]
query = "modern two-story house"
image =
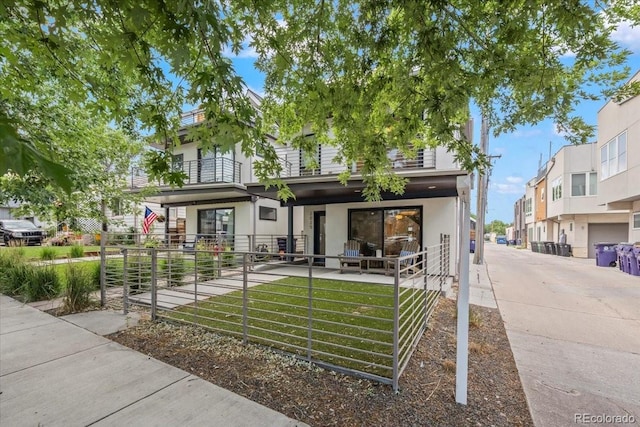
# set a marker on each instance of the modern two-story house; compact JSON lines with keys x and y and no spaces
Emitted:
{"x":222,"y":196}
{"x":618,"y":151}
{"x":572,"y":193}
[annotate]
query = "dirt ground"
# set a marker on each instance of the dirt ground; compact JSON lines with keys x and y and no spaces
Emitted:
{"x":323,"y":398}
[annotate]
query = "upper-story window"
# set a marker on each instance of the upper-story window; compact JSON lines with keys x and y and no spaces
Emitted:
{"x":116,"y":207}
{"x":177,"y":162}
{"x":528,"y":206}
{"x":613,"y":156}
{"x":556,"y":189}
{"x":542,"y":195}
{"x":636,"y":220}
{"x":584,"y":184}
{"x":310,"y":162}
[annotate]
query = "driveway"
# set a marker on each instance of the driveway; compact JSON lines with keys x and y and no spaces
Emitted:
{"x":574,"y":329}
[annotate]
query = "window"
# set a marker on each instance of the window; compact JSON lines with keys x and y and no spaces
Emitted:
{"x":556,"y":189}
{"x":542,"y":195}
{"x":116,"y":207}
{"x":385,"y":229}
{"x":216,"y":221}
{"x":310,"y":161}
{"x":636,"y":220}
{"x":528,"y":209}
{"x":268,"y":214}
{"x":177,"y":162}
{"x":570,"y":226}
{"x":613,"y":156}
{"x":579,"y":185}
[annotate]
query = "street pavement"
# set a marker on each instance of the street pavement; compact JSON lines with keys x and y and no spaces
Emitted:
{"x":574,"y":329}
{"x":57,"y":372}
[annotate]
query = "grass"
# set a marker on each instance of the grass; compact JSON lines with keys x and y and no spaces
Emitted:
{"x":87,"y":266}
{"x":35,"y":252}
{"x":352,"y":322}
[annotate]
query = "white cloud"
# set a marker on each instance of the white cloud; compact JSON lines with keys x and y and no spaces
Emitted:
{"x":627,"y":36}
{"x":247,"y":50}
{"x":508,"y":187}
{"x":526,"y":133}
{"x":514,"y":180}
{"x":560,"y":130}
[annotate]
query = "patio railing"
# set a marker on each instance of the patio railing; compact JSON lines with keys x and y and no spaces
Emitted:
{"x":366,"y":325}
{"x":203,"y":171}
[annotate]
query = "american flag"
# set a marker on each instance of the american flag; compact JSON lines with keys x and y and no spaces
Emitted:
{"x":149,"y":217}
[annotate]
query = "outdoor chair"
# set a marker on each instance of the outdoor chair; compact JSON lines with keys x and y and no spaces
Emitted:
{"x":350,"y":258}
{"x":408,"y":248}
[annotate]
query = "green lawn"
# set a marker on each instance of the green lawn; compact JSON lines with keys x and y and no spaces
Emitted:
{"x":34,"y":252}
{"x":352,"y":322}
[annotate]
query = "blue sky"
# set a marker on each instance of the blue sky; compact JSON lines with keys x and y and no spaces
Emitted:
{"x":520,"y":150}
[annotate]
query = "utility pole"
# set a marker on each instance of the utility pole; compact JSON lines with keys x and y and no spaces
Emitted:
{"x":478,"y":256}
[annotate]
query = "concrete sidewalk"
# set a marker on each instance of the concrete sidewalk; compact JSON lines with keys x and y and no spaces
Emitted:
{"x":53,"y":372}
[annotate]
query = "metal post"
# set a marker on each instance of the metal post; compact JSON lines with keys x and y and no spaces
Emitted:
{"x":426,"y":285}
{"x":441,"y":272}
{"x":245,"y":298}
{"x":103,"y":268}
{"x":290,"y":245}
{"x":125,"y":282}
{"x":154,"y":287}
{"x":310,"y":309}
{"x":462,"y":345}
{"x":396,"y":324}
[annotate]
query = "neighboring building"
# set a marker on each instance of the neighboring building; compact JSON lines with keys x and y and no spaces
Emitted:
{"x":519,"y":221}
{"x":571,"y":202}
{"x":214,"y":198}
{"x":619,"y":160}
{"x":529,"y":209}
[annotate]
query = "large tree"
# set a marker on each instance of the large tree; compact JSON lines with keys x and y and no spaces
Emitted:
{"x":375,"y":75}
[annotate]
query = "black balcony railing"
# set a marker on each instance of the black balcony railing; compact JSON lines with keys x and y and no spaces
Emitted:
{"x":204,"y":171}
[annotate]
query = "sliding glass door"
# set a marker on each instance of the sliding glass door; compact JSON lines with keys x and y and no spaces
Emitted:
{"x":385,"y":229}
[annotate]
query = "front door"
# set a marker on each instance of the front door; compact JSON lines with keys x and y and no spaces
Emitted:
{"x":319,"y":220}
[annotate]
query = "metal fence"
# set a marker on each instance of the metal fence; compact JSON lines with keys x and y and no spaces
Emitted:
{"x":363,"y":324}
{"x":214,"y":242}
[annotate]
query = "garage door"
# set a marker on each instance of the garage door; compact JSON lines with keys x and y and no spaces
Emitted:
{"x":606,"y":233}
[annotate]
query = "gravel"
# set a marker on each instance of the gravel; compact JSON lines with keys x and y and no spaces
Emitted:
{"x":320,"y":397}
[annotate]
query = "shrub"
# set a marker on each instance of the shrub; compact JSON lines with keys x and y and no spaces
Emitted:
{"x":76,"y":251}
{"x":139,"y":272}
{"x":206,"y":265}
{"x":25,"y":281}
{"x":47,"y":254}
{"x":174,"y":269}
{"x":40,"y":283}
{"x":80,"y":284}
{"x":228,"y":258}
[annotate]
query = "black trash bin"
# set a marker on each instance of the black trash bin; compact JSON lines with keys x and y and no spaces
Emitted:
{"x":549,"y":248}
{"x":564,"y":249}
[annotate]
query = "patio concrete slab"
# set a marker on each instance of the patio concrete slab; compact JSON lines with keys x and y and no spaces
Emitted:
{"x":103,"y":322}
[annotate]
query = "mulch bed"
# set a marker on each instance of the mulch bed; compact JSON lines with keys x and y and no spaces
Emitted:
{"x":323,"y":398}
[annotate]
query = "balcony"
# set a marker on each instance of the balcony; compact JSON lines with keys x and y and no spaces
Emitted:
{"x":295,"y":165}
{"x":217,"y":170}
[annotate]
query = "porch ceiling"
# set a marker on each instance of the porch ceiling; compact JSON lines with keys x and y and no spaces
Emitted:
{"x":192,"y":195}
{"x":321,"y":191}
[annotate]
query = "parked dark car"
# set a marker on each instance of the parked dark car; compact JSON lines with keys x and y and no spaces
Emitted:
{"x":18,"y":232}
